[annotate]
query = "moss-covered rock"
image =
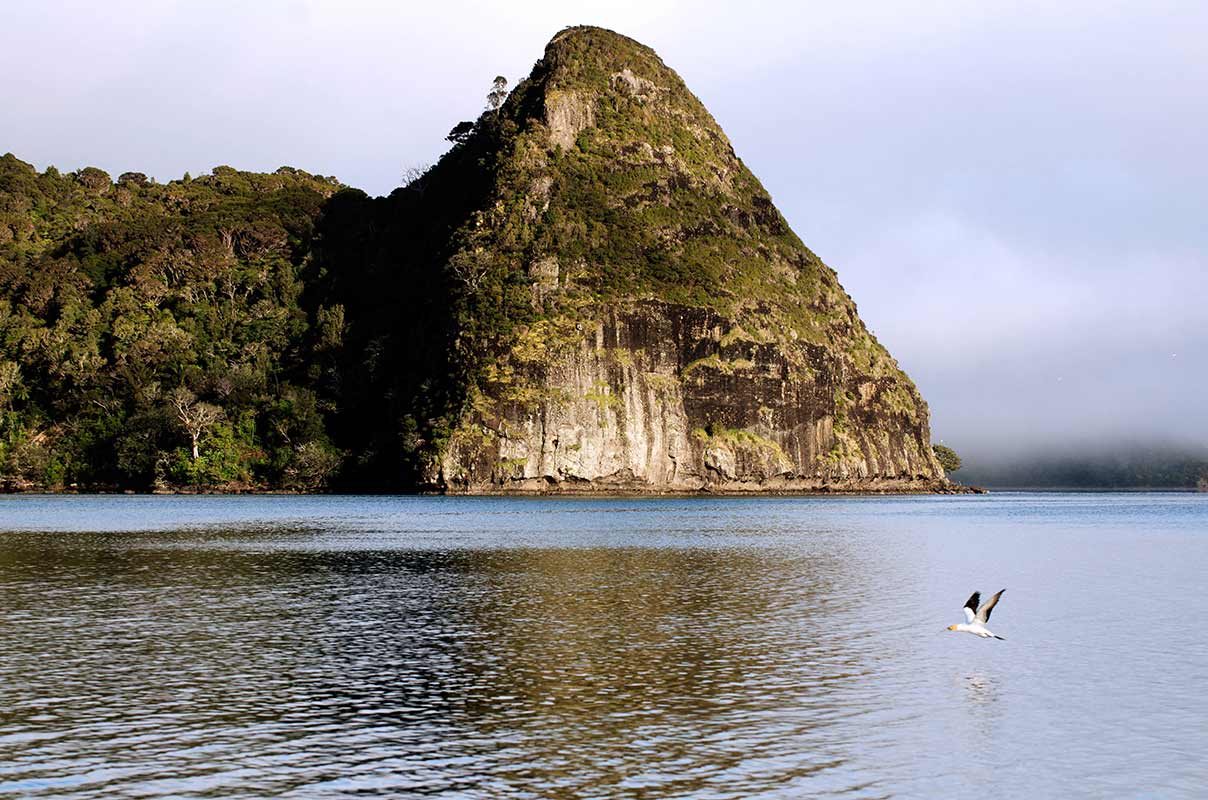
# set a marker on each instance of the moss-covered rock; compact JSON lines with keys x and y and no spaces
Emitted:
{"x":637,"y":277}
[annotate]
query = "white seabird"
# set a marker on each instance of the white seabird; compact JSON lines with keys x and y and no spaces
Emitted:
{"x":976,"y":618}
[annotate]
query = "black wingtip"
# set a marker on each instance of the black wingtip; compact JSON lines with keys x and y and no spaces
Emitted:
{"x":996,"y":636}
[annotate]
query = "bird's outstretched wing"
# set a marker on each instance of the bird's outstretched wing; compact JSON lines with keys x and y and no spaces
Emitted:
{"x":983,"y":613}
{"x":971,"y":606}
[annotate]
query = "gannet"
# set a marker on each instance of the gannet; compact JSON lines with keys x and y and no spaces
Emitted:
{"x":976,"y":618}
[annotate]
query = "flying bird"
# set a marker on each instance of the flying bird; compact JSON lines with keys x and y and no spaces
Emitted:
{"x":976,"y":618}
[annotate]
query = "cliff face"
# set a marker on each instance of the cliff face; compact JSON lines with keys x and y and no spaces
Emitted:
{"x":654,"y":323}
{"x":662,"y":397}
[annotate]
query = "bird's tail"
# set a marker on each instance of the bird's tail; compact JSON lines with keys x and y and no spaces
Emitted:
{"x":996,"y":636}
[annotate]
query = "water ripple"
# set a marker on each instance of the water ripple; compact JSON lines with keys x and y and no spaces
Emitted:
{"x":521,"y":649}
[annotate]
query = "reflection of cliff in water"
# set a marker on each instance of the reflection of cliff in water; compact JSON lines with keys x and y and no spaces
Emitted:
{"x":480,"y":648}
{"x":645,"y":663}
{"x":586,"y":667}
{"x":451,"y":671}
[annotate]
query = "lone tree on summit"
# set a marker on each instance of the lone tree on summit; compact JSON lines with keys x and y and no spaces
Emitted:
{"x":498,"y":93}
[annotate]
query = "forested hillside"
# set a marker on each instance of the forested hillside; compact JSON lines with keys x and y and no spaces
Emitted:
{"x":160,"y":335}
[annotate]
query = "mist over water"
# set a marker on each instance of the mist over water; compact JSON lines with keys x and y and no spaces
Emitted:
{"x":477,"y":647}
{"x":1119,"y":463}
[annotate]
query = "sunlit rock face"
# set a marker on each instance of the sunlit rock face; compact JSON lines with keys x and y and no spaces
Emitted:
{"x":638,"y":316}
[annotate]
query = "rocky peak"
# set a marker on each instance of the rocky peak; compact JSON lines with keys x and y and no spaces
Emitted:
{"x":622,"y":252}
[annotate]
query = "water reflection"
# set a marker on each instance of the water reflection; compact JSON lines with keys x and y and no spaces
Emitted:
{"x":150,"y":659}
{"x":720,"y":650}
{"x":641,"y":662}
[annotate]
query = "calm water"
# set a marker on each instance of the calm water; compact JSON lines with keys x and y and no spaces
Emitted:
{"x":474,"y":647}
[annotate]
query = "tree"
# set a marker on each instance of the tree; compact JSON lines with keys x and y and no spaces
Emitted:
{"x":10,"y":380}
{"x":96,"y":180}
{"x":947,"y":457}
{"x":416,"y":177}
{"x":137,"y":178}
{"x":197,"y":417}
{"x":498,"y":93}
{"x":461,"y":132}
{"x":469,"y":268}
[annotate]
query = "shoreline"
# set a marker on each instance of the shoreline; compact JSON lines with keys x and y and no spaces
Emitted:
{"x":603,"y":492}
{"x":607,"y":493}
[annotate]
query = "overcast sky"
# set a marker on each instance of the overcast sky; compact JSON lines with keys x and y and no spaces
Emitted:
{"x":1015,"y":195}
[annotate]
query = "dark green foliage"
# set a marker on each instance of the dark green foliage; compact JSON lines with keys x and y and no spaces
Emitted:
{"x":947,"y":457}
{"x":421,"y":314}
{"x":113,"y":294}
{"x":460,"y":132}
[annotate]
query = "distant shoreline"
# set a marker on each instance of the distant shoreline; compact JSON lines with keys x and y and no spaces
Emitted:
{"x":614,"y":493}
{"x":570,"y":494}
{"x":1097,"y":489}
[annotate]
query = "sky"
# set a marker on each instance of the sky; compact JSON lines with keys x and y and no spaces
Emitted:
{"x":1015,"y":194}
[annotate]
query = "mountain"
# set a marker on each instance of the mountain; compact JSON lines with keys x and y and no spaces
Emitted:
{"x":589,"y":292}
{"x":632,"y":311}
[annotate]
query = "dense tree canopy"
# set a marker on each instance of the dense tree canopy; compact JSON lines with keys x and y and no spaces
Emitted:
{"x":138,"y":320}
{"x":231,"y":331}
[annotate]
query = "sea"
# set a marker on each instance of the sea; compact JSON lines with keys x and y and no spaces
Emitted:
{"x":705,"y":648}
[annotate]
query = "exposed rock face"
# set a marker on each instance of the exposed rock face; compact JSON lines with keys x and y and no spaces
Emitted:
{"x":673,"y":398}
{"x":566,"y":114}
{"x":681,"y":337}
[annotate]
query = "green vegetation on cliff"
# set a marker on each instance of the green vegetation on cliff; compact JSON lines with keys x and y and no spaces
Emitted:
{"x":947,"y":457}
{"x":608,"y":184}
{"x":282,"y":331}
